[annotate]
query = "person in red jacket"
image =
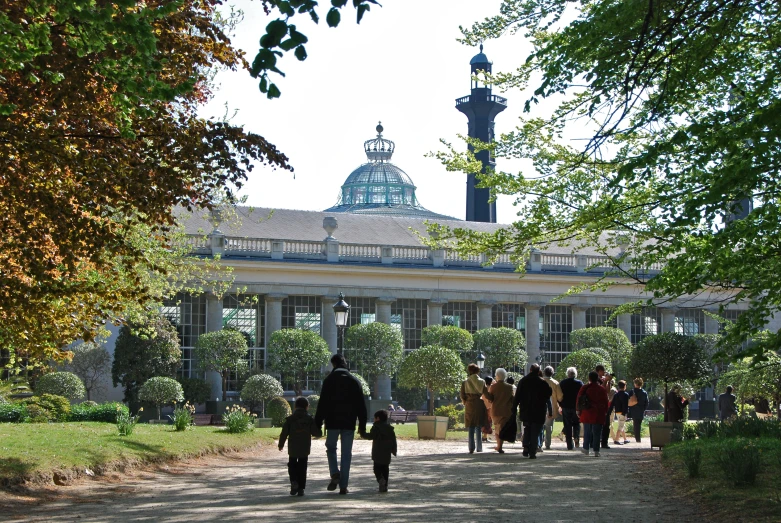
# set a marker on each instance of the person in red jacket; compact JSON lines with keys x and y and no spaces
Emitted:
{"x":592,"y":410}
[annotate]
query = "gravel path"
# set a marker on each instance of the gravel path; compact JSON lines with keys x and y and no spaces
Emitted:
{"x":430,"y":481}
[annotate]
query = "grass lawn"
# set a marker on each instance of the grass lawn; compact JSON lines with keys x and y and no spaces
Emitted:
{"x":36,"y":450}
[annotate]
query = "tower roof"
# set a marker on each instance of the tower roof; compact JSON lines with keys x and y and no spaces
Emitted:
{"x":479,"y":58}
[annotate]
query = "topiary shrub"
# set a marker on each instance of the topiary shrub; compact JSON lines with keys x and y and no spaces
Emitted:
{"x":439,"y":369}
{"x":161,"y":391}
{"x":48,"y":407}
{"x":411,"y":399}
{"x":259,"y":389}
{"x":501,"y":347}
{"x":89,"y":403}
{"x":64,"y":384}
{"x":584,"y":360}
{"x":452,"y":337}
{"x":378,"y":349}
{"x":104,"y":412}
{"x":222,"y":351}
{"x":196,"y":390}
{"x":610,"y":339}
{"x":364,"y":386}
{"x":295,"y":354}
{"x":313,"y":399}
{"x":278,"y":410}
{"x":13,"y":412}
{"x":453,"y":415}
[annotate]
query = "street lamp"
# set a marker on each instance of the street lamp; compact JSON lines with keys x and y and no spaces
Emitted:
{"x":341,"y":313}
{"x":480,"y":360}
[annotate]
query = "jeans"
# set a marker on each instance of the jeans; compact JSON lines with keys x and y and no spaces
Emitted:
{"x":593,"y":433}
{"x":548,"y":427}
{"x":347,"y":436}
{"x":296,"y":469}
{"x":531,"y":437}
{"x":637,"y":425}
{"x":474,"y":434}
{"x":571,"y":426}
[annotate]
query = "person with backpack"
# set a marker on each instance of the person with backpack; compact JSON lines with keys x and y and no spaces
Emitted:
{"x":592,"y":406}
{"x":298,"y":430}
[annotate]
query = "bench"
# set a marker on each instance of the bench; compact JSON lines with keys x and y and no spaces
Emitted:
{"x":404,"y":416}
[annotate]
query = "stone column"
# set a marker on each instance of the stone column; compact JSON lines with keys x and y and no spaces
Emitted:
{"x":273,"y":314}
{"x":532,"y":333}
{"x":711,"y":324}
{"x":485,"y":314}
{"x":625,"y":324}
{"x":382,"y":313}
{"x":668,"y":320}
{"x":214,"y":323}
{"x":578,"y":317}
{"x":328,"y":323}
{"x":435,"y":312}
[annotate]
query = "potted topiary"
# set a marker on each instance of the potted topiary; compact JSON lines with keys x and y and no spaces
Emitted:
{"x":378,"y":349}
{"x":295,"y":354}
{"x":222,"y":351}
{"x":65,"y":384}
{"x":438,"y":369}
{"x":161,"y":391}
{"x":584,"y":360}
{"x":501,"y":347}
{"x":668,"y":358}
{"x":257,"y":390}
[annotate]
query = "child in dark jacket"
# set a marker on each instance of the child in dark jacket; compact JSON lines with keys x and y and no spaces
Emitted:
{"x":299,"y":427}
{"x":383,"y":445}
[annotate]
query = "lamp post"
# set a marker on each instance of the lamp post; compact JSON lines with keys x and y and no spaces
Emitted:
{"x":480,"y":360}
{"x":341,"y":313}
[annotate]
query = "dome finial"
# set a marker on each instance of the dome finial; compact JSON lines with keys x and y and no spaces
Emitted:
{"x":481,"y":46}
{"x":379,"y":149}
{"x":379,"y":128}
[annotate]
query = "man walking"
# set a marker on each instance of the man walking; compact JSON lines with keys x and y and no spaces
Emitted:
{"x":606,"y":380}
{"x":727,"y":407}
{"x":556,"y":397}
{"x":341,"y":404}
{"x":570,"y":386}
{"x":531,"y":398}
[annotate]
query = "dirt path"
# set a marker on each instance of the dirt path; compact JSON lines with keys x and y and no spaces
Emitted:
{"x":430,"y":482}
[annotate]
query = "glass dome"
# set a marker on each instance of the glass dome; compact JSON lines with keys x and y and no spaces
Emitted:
{"x":379,"y":187}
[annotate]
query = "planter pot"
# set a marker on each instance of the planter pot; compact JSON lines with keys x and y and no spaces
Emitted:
{"x":661,"y":432}
{"x":263,"y":423}
{"x":432,"y":427}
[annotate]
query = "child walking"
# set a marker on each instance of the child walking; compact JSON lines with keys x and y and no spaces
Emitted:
{"x":383,"y":445}
{"x":299,"y":427}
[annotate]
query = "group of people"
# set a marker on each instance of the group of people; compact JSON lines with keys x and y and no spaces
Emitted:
{"x":341,"y":405}
{"x":538,"y":400}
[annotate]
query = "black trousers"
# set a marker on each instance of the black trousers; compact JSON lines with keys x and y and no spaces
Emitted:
{"x":296,"y":468}
{"x":606,"y":429}
{"x":531,"y":437}
{"x":381,"y":471}
{"x":637,"y":424}
{"x":571,"y":426}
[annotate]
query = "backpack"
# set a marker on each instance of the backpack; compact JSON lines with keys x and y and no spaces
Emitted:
{"x":584,"y":402}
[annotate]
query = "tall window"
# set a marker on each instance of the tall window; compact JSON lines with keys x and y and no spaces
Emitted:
{"x":510,"y":315}
{"x":303,"y":312}
{"x":690,"y":322}
{"x":648,"y":322}
{"x":188,"y":314}
{"x":246,"y":314}
{"x":460,"y":314}
{"x":411,"y":316}
{"x":599,"y":317}
{"x":555,"y":328}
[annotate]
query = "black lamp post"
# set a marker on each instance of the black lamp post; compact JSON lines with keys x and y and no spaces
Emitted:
{"x":480,"y":360}
{"x":341,"y":313}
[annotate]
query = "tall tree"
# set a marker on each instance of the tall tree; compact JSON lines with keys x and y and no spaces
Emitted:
{"x":99,"y":138}
{"x":91,"y":363}
{"x":378,"y":349}
{"x":664,"y":125}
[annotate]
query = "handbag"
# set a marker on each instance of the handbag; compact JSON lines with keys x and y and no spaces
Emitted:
{"x":633,"y":400}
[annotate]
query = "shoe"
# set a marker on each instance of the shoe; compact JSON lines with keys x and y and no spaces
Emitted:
{"x":596,"y":454}
{"x":571,"y":448}
{"x":626,"y":441}
{"x":334,"y":482}
{"x":301,"y":492}
{"x":577,"y":444}
{"x":532,"y":456}
{"x":547,"y":447}
{"x":471,"y":451}
{"x":343,"y":491}
{"x":479,"y":450}
{"x":525,"y":454}
{"x":383,"y":485}
{"x":293,"y":488}
{"x":617,"y":443}
{"x":539,"y":449}
{"x":605,"y":447}
{"x":500,"y":451}
{"x":584,"y":451}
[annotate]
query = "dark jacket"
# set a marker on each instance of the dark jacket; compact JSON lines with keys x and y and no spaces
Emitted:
{"x":531,"y":398}
{"x":620,"y":403}
{"x":675,"y":406}
{"x":638,"y":411}
{"x":299,"y":427}
{"x":341,"y":402}
{"x":727,"y":407}
{"x":570,"y":387}
{"x":383,"y":438}
{"x":597,"y":413}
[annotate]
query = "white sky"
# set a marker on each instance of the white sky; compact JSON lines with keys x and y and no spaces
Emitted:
{"x":401,"y":65}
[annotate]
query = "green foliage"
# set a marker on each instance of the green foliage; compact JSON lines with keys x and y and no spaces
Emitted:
{"x":237,"y":419}
{"x":378,"y":349}
{"x":411,"y":399}
{"x":670,"y":357}
{"x":451,"y":337}
{"x":91,"y":362}
{"x":126,"y":423}
{"x":196,"y":390}
{"x":183,"y":417}
{"x":501,"y":347}
{"x":13,"y":412}
{"x":692,"y":458}
{"x":160,"y":391}
{"x":104,"y":412}
{"x":585,"y":360}
{"x":761,"y":379}
{"x":749,"y":427}
{"x":740,"y":459}
{"x":614,"y":341}
{"x":64,"y":384}
{"x":455,"y":416}
{"x":259,"y":389}
{"x":364,"y":386}
{"x":294,"y":353}
{"x":278,"y":410}
{"x":137,"y":357}
{"x":439,"y":369}
{"x":221,"y":351}
{"x":313,"y":399}
{"x":48,"y":407}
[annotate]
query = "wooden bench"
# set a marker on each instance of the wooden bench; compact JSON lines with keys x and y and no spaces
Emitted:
{"x":404,"y":416}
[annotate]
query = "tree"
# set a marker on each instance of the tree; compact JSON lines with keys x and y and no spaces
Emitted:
{"x":755,"y":380}
{"x":160,"y":391}
{"x":451,"y":337}
{"x":670,"y":357}
{"x":294,"y":353}
{"x":438,"y":369}
{"x":502,"y":347}
{"x":138,"y":357}
{"x":259,"y":389}
{"x":672,"y":105}
{"x":91,"y":363}
{"x":614,"y":341}
{"x":584,"y":360}
{"x":100,"y":138}
{"x":221,"y":351}
{"x":378,"y":349}
{"x":65,"y":384}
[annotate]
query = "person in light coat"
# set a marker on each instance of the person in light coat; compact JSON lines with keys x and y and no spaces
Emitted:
{"x":475,"y":412}
{"x":501,"y":395}
{"x":556,"y":397}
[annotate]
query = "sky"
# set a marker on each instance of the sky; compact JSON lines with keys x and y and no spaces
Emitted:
{"x":402,"y":65}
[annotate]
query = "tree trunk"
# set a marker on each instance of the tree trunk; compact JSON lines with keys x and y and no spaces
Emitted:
{"x":666,"y":402}
{"x":224,"y":383}
{"x":430,"y":401}
{"x":263,"y":409}
{"x":88,"y":395}
{"x":158,"y":413}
